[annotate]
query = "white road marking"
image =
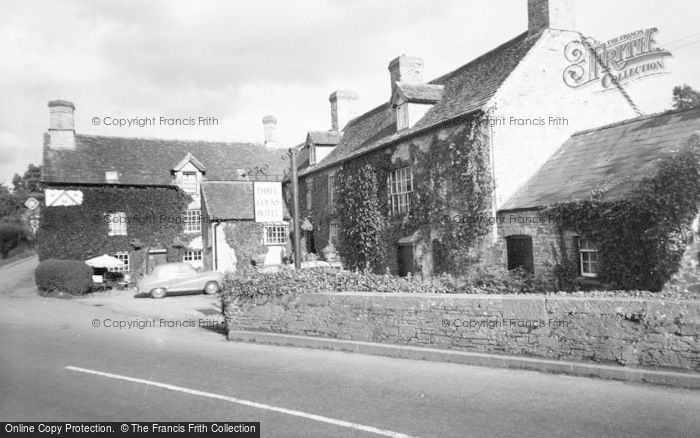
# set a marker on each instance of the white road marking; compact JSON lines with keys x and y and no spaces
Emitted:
{"x":320,"y":418}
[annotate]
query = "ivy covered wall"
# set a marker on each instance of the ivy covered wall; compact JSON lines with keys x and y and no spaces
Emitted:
{"x":642,"y":237}
{"x":451,"y":175}
{"x":246,"y":239}
{"x":154,"y":219}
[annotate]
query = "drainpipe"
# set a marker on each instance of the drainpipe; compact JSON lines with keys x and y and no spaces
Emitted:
{"x":214,"y":247}
{"x":494,"y":203}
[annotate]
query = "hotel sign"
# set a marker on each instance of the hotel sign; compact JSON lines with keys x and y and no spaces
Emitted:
{"x":618,"y":61}
{"x":268,"y":201}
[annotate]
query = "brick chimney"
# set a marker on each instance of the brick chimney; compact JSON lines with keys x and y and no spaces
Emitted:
{"x":405,"y":69}
{"x":61,"y":124}
{"x":342,"y":108}
{"x":270,"y":128}
{"x":552,"y":14}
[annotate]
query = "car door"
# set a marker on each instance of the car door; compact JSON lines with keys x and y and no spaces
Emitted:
{"x":187,"y":280}
{"x":177,"y":277}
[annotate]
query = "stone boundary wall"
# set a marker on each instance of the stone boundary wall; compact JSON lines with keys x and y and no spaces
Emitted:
{"x":634,"y":332}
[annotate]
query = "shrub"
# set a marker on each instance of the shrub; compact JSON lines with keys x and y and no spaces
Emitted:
{"x":490,"y":280}
{"x":10,"y":236}
{"x":316,"y":280}
{"x":72,"y":276}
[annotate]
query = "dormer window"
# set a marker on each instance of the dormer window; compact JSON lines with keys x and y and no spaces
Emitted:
{"x":189,"y":182}
{"x":312,"y":155}
{"x":188,"y":173}
{"x":402,"y":121}
{"x":412,"y":100}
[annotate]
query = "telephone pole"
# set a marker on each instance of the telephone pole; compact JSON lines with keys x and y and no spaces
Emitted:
{"x":295,"y":208}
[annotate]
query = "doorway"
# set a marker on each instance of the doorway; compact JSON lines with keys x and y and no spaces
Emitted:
{"x":405,"y":259}
{"x":519,"y":250}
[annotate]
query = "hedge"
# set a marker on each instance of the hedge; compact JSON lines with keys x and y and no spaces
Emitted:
{"x":71,"y":276}
{"x":252,"y":285}
{"x":316,"y":280}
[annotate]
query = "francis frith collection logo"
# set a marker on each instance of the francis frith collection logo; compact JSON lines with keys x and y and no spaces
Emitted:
{"x":615,"y":62}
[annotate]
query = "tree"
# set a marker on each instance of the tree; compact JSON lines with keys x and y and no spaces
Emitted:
{"x":10,"y":206}
{"x":10,"y":236}
{"x":685,"y":97}
{"x":28,"y":183}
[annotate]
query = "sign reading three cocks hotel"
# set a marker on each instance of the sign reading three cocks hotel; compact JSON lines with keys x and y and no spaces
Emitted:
{"x":615,"y":62}
{"x":268,"y":201}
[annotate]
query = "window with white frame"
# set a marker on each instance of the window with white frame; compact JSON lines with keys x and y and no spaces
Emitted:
{"x":331,"y":192}
{"x":193,"y":221}
{"x":588,"y":257}
{"x":193,"y":255}
{"x":309,"y":192}
{"x":189,"y":182}
{"x":275,"y":235}
{"x":117,"y":224}
{"x":124,"y":257}
{"x":333,"y":232}
{"x":402,"y":121}
{"x":400,"y":188}
{"x":312,"y":155}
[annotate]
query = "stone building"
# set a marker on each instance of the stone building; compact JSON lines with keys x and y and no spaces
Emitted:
{"x":609,"y":161}
{"x":142,"y":199}
{"x":517,"y":87}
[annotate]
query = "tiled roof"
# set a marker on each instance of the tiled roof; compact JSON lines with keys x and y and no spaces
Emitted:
{"x":228,"y":200}
{"x":465,"y":90}
{"x":421,"y":93}
{"x":140,"y":161}
{"x":611,"y":158}
{"x":331,"y":138}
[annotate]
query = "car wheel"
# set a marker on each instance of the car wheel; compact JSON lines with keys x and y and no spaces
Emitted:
{"x":158,"y":293}
{"x":211,"y":288}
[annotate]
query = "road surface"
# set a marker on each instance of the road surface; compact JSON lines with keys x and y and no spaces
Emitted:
{"x":56,"y":366}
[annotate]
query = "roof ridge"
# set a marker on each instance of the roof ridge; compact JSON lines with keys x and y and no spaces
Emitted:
{"x":633,"y":120}
{"x":523,"y":35}
{"x":116,"y":137}
{"x":370,"y":112}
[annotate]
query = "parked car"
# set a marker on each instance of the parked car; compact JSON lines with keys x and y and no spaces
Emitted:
{"x":176,"y":278}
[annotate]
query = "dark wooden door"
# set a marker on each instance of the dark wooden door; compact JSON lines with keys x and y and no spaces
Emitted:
{"x":405,"y":254}
{"x":520,"y":253}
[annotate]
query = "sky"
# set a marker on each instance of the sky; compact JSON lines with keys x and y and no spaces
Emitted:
{"x":240,"y":60}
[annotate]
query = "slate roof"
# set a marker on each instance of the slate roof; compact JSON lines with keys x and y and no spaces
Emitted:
{"x":421,"y":93}
{"x":611,"y":158}
{"x":326,"y":138}
{"x":141,"y":161}
{"x":229,"y":200}
{"x":466,"y":90}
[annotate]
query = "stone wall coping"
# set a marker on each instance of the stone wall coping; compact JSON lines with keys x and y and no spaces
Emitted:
{"x":512,"y":297}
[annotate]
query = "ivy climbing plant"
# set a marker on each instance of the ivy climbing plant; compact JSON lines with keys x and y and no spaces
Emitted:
{"x":362,"y":223}
{"x":641,"y":237}
{"x":451,"y":176}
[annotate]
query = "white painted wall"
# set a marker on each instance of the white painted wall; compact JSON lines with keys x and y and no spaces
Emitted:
{"x":225,"y":255}
{"x":536,"y":89}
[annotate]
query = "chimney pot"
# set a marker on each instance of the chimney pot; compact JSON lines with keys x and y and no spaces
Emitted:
{"x":270,"y":130}
{"x":342,"y":108}
{"x":61,"y":124}
{"x":405,"y":69}
{"x":550,"y":14}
